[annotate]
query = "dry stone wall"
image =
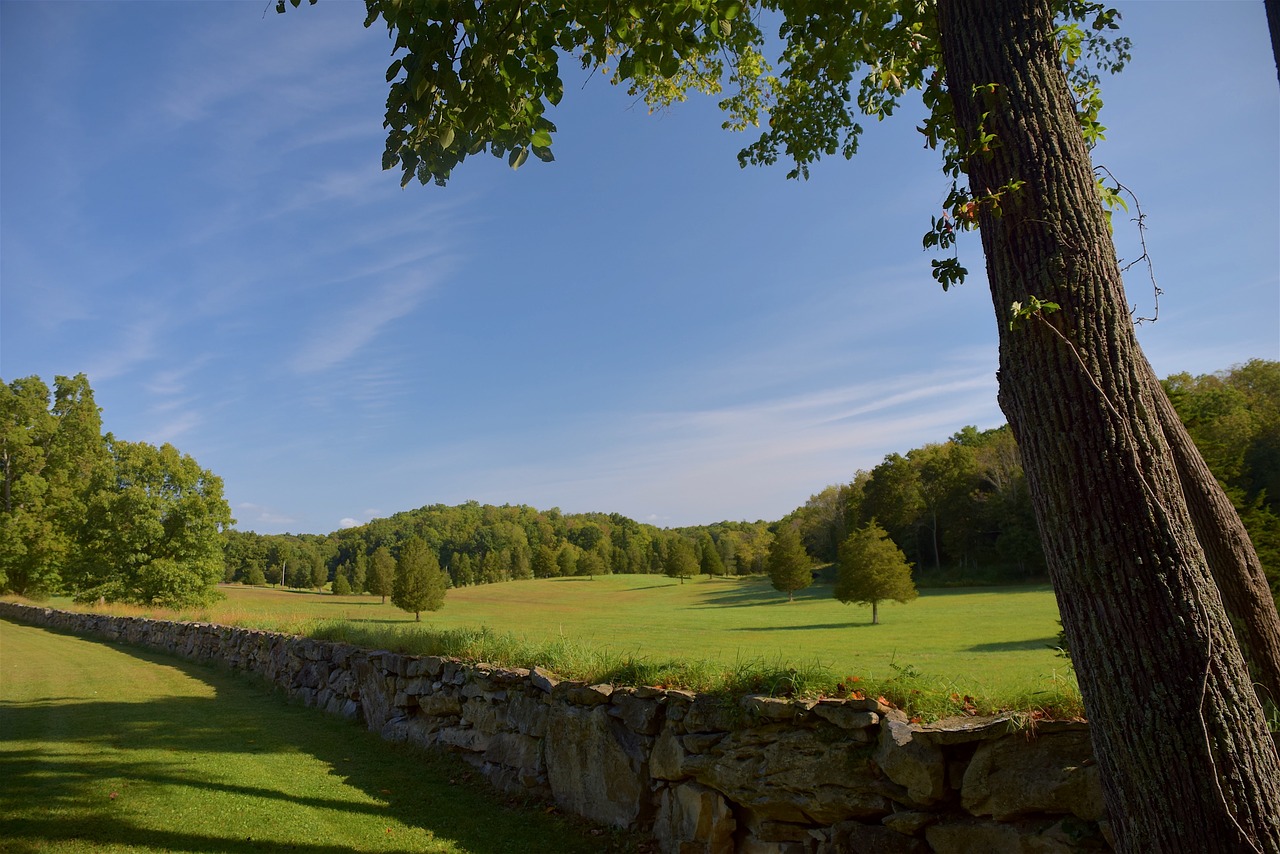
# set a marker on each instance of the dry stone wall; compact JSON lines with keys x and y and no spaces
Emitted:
{"x":756,"y":775}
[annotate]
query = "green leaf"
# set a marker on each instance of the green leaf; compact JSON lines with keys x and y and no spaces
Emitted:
{"x":544,"y":154}
{"x":541,"y":139}
{"x":393,"y":69}
{"x":517,"y":157}
{"x":446,"y":137}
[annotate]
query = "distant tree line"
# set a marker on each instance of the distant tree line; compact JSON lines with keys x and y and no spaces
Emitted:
{"x":959,"y":511}
{"x":96,"y":517}
{"x":483,"y":544}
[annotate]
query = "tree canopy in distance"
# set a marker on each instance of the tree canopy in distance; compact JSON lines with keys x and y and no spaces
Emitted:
{"x":872,"y":570}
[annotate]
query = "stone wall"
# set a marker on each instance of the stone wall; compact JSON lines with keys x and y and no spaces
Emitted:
{"x":698,"y":773}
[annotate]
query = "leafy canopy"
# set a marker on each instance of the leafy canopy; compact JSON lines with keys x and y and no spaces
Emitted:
{"x":872,"y":570}
{"x":469,"y":76}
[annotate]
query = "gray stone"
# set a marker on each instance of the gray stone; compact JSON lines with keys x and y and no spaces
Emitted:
{"x":693,"y":819}
{"x":440,"y":705}
{"x":965,"y":730}
{"x":515,"y":751}
{"x":543,"y":680}
{"x":527,"y":714}
{"x":1019,"y":776}
{"x":375,"y":704}
{"x":580,"y":694}
{"x":790,"y":775}
{"x":845,"y":716}
{"x":639,"y":715}
{"x":486,"y":717}
{"x":966,"y":836}
{"x":666,"y":760}
{"x":464,"y":738}
{"x":851,"y":836}
{"x":769,"y":708}
{"x":909,"y":759}
{"x":702,"y":742}
{"x":592,"y":772}
{"x":711,"y":714}
{"x":908,"y":822}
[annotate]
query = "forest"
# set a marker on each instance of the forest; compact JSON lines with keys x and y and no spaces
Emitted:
{"x":86,"y":514}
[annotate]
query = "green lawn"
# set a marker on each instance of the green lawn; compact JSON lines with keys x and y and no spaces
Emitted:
{"x":990,"y":643}
{"x":106,"y":748}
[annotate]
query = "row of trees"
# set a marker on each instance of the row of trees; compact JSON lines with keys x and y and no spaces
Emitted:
{"x":97,"y":517}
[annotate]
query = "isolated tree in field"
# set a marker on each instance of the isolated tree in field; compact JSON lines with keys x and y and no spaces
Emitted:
{"x":872,"y":570}
{"x":789,"y":566}
{"x":382,"y":573}
{"x":341,"y":587}
{"x":420,"y":584}
{"x":1145,"y":551}
{"x":681,"y":560}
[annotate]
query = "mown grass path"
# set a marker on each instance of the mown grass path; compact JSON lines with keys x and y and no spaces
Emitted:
{"x":107,"y":748}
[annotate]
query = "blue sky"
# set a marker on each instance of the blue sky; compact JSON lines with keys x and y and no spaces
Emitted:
{"x":192,"y":212}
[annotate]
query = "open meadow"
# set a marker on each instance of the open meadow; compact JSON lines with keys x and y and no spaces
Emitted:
{"x":109,"y":748}
{"x":991,"y":644}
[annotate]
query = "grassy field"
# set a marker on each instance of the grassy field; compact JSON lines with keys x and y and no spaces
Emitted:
{"x":106,"y":748}
{"x":991,"y":644}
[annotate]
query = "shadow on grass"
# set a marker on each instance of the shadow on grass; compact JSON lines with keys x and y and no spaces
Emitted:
{"x":858,"y":625}
{"x":58,"y":796}
{"x":1015,"y":646}
{"x":762,"y":594}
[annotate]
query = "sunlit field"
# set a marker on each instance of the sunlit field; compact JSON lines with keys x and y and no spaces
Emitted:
{"x":990,"y":643}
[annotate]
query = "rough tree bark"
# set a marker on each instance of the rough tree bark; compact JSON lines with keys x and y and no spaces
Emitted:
{"x":1232,"y":559}
{"x":1186,"y":759}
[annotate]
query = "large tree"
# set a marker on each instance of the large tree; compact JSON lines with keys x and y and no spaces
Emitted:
{"x":872,"y":570}
{"x":1139,"y":537}
{"x":50,"y":454}
{"x":420,"y":584}
{"x":789,"y":566}
{"x":151,"y":533}
{"x":382,"y":572}
{"x":681,"y":558}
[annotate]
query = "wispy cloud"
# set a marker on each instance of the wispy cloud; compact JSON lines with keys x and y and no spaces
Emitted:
{"x":342,"y":334}
{"x":132,"y":344}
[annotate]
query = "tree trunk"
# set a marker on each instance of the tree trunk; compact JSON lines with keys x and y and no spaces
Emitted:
{"x":1186,"y":759}
{"x":1232,"y":559}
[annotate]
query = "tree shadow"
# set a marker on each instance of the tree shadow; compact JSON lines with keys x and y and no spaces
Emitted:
{"x":1015,"y":646}
{"x":802,"y":628}
{"x":113,"y":739}
{"x":762,"y":593}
